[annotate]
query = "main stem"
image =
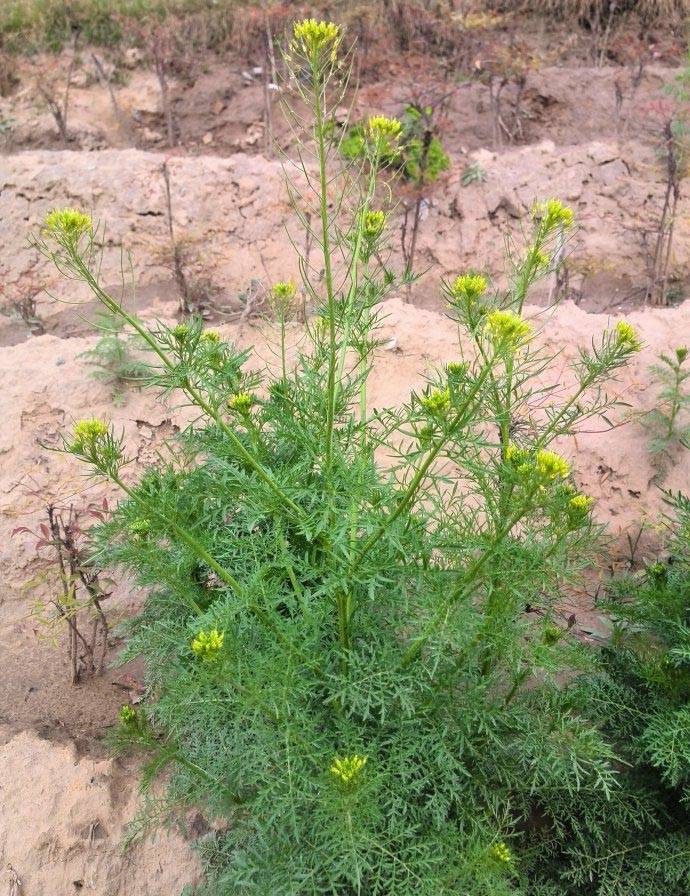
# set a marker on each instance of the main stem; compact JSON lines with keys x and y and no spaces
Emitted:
{"x":319,"y":128}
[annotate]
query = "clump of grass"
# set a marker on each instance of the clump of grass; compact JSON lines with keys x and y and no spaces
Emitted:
{"x":474,"y":173}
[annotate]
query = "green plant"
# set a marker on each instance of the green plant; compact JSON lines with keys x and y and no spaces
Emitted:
{"x":359,"y":666}
{"x":639,"y":841}
{"x":115,"y":357}
{"x":667,"y":421}
{"x":474,"y":173}
{"x":418,"y":153}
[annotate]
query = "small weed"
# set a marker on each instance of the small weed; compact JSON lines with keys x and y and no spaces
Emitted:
{"x":474,"y":173}
{"x":26,"y":306}
{"x":668,"y":422}
{"x":79,"y":601}
{"x":116,"y":359}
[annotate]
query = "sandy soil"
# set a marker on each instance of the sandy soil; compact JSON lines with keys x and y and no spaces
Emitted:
{"x":64,"y":803}
{"x":62,"y":829}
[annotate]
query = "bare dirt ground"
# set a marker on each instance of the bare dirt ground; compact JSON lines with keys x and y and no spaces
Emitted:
{"x":64,"y":802}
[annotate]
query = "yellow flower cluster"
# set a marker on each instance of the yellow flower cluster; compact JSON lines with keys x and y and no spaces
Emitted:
{"x":207,"y":645}
{"x":383,"y":132}
{"x":312,"y":38}
{"x":241,"y":402}
{"x":581,"y":503}
{"x":515,"y":455}
{"x":502,"y":853}
{"x":437,"y":402}
{"x":551,"y":466}
{"x":67,"y":224}
{"x":180,"y":333}
{"x":553,"y":214}
{"x":507,"y":329}
{"x":348,"y":768}
{"x":626,"y":337}
{"x":284,"y":290}
{"x":127,"y":714}
{"x":577,"y":510}
{"x":282,"y":296}
{"x":468,"y":288}
{"x":86,"y":434}
{"x":139,"y":529}
{"x":210,"y":337}
{"x":373,"y":225}
{"x":456,"y":369}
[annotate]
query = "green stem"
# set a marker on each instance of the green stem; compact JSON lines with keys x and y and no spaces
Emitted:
{"x":354,"y":276}
{"x":185,"y":537}
{"x":282,"y":347}
{"x":319,"y":128}
{"x":192,"y":393}
{"x":222,"y":573}
{"x":468,"y":582}
{"x":408,"y":497}
{"x":551,"y":428}
{"x":363,"y":409}
{"x":675,"y":403}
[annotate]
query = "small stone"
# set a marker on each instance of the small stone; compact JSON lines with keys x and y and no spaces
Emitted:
{"x":151,"y":136}
{"x":132,"y":57}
